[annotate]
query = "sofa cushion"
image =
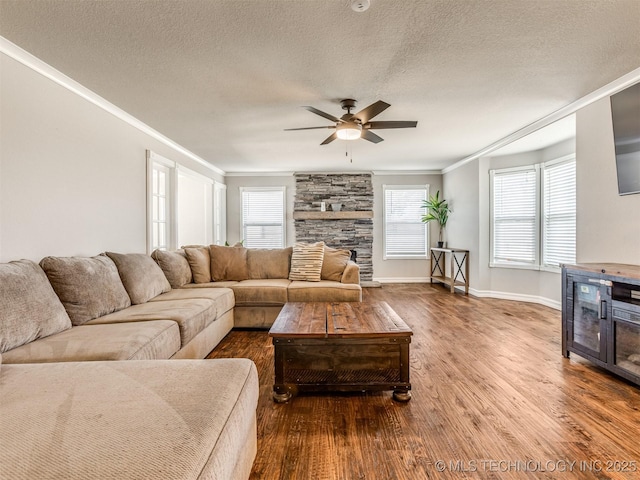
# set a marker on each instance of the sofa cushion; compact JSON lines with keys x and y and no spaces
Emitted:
{"x":192,"y":316}
{"x":306,"y":261}
{"x":333,"y":263}
{"x":174,"y":265}
{"x":199,"y":262}
{"x":270,"y":291}
{"x":119,"y":341}
{"x":88,"y":287}
{"x":228,"y":263}
{"x":227,"y":284}
{"x":324,"y":291}
{"x":29,"y":308}
{"x":153,"y":419}
{"x":141,"y":276}
{"x":269,"y":263}
{"x":223,"y":297}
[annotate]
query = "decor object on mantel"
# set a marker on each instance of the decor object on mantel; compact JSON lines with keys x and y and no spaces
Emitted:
{"x":352,"y":126}
{"x":336,"y":207}
{"x":439,"y":211}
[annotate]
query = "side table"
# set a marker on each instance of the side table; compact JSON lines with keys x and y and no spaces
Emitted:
{"x":458,"y":267}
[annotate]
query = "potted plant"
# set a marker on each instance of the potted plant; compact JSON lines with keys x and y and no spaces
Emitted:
{"x":438,"y":210}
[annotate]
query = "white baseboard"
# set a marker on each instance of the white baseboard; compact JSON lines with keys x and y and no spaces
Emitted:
{"x":518,"y":297}
{"x":402,"y":280}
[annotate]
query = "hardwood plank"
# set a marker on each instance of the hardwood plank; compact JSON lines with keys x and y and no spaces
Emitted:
{"x":364,"y":320}
{"x":489,"y":385}
{"x":301,"y":319}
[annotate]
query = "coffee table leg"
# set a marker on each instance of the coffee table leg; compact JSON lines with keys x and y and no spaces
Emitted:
{"x":401,"y":395}
{"x":281,"y":394}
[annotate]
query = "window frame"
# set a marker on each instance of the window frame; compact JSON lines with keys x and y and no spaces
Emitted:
{"x":283,"y":224}
{"x":540,"y":253}
{"x":492,"y":225}
{"x":174,"y":170}
{"x":571,"y":158}
{"x":404,"y":256}
{"x":157,"y":162}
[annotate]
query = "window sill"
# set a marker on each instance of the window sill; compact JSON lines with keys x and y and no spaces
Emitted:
{"x":405,"y":257}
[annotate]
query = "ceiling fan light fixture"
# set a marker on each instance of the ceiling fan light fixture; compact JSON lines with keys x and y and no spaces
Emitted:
{"x":360,"y":5}
{"x":349,"y":131}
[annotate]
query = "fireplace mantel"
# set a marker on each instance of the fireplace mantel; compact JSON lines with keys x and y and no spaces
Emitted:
{"x":353,"y":215}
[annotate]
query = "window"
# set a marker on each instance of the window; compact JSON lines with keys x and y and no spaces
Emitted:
{"x":559,"y":214}
{"x":533,"y":215}
{"x":405,"y":235}
{"x":160,"y":212}
{"x":515,"y":216}
{"x":263,"y":217}
{"x":180,"y":205}
{"x":219,"y":213}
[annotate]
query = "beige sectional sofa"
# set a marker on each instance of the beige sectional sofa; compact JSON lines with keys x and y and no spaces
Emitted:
{"x":261,"y":279}
{"x":74,"y":409}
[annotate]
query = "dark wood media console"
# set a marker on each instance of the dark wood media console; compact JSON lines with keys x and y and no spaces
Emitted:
{"x":601,"y":316}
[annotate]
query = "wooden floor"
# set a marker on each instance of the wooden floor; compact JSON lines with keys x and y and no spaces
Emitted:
{"x":492,"y":398}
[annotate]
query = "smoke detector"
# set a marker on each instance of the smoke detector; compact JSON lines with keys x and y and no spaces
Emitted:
{"x":360,"y":5}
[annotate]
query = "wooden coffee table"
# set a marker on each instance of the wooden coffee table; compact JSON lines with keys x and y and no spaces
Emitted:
{"x":340,"y":347}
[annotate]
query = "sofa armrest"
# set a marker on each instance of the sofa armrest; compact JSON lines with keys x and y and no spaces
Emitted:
{"x":351,"y":273}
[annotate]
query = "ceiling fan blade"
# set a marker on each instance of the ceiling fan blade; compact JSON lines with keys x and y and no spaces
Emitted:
{"x":371,"y":111}
{"x":330,"y":138}
{"x":391,"y":124}
{"x":308,"y":128}
{"x":372,"y":137}
{"x":323,"y":114}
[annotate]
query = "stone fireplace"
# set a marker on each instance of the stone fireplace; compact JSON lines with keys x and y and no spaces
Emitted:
{"x":351,"y":228}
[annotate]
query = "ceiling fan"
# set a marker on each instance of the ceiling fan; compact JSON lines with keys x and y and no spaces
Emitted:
{"x":352,"y":126}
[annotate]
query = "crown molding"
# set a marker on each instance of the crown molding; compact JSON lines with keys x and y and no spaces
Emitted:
{"x":13,"y":51}
{"x":259,"y":174}
{"x":320,"y":172}
{"x":407,"y":172}
{"x":609,"y":89}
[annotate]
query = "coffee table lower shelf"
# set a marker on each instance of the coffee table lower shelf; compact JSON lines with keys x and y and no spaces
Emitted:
{"x":341,"y":365}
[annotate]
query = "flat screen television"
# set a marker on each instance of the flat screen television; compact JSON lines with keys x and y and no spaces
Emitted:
{"x":625,"y":110}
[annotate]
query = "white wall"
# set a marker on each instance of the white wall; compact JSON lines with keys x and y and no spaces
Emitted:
{"x":386,"y":270}
{"x":73,"y":176}
{"x":195,"y":210}
{"x":399,"y":270}
{"x":467,"y":188}
{"x":608,"y":224}
{"x":234,"y":215}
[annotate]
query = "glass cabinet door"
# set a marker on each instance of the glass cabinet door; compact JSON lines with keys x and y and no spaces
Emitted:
{"x":589,"y":312}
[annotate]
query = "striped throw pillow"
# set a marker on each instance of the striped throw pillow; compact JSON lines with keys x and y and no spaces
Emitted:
{"x":306,"y":261}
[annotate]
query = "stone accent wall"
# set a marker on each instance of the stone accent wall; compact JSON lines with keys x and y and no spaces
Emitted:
{"x":355,"y":193}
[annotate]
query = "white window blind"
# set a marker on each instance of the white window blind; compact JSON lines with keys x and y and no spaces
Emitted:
{"x":263,"y":217}
{"x":515,"y":220}
{"x":559,"y":214}
{"x":405,"y":235}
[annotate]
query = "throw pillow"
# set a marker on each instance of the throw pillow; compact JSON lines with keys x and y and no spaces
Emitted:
{"x":334,"y":263}
{"x":306,"y":261}
{"x":29,"y":308}
{"x":269,"y":263}
{"x":142,"y":278}
{"x":228,"y":263}
{"x":175,"y":266}
{"x":88,"y":287}
{"x":200,"y":263}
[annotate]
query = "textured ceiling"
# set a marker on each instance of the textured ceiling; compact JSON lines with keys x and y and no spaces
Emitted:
{"x":224,"y":78}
